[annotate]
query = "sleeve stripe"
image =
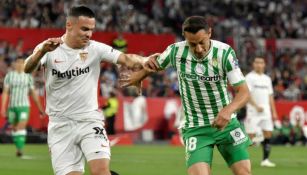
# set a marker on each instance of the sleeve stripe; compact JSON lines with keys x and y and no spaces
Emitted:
{"x":165,"y":58}
{"x":239,"y":83}
{"x":228,"y":66}
{"x":166,"y":61}
{"x":225,"y":56}
{"x":173,"y":56}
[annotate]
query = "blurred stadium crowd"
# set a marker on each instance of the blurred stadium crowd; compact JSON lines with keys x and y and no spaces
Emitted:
{"x":239,"y":18}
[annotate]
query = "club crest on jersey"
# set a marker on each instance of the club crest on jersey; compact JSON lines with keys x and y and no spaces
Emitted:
{"x":83,"y":56}
{"x":199,"y":69}
{"x":214,"y":62}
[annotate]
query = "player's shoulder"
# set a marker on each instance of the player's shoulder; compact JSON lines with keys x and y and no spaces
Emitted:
{"x":220,"y":45}
{"x":94,"y":44}
{"x":29,"y":75}
{"x":267,"y":77}
{"x":10,"y":73}
{"x":179,"y":44}
{"x":7,"y":75}
{"x":250,"y":74}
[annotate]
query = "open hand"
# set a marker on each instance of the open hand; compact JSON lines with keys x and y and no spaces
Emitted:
{"x":129,"y":77}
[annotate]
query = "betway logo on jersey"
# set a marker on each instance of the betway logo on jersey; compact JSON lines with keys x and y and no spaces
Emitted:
{"x":213,"y":78}
{"x":70,"y":73}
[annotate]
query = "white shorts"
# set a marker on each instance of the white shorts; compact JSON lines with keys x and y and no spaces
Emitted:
{"x":71,"y":142}
{"x":252,"y":124}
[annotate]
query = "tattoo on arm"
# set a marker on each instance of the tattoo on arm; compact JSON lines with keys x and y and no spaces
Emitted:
{"x":33,"y":60}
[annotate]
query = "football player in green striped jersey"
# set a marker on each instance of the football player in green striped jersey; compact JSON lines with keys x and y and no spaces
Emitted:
{"x":17,"y":86}
{"x":204,"y":68}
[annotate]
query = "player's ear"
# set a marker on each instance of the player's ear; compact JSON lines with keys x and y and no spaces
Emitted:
{"x":183,"y":34}
{"x":69,"y":23}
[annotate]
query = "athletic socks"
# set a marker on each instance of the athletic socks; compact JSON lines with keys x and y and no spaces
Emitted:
{"x":19,"y":139}
{"x":266,"y":148}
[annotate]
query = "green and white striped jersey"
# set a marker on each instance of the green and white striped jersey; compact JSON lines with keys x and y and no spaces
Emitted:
{"x":19,"y":85}
{"x":203,"y":83}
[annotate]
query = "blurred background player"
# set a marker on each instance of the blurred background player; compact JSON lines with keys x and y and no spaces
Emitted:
{"x":261,"y":110}
{"x":17,"y":86}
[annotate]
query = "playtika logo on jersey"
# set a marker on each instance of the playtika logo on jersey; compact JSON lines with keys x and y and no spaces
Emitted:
{"x":70,"y":73}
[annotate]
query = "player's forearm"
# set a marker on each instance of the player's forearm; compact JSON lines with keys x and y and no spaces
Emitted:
{"x":38,"y":104}
{"x":134,"y":61}
{"x":272,"y":105}
{"x":4,"y":101}
{"x":37,"y":101}
{"x":33,"y":60}
{"x":252,"y":102}
{"x":241,"y":98}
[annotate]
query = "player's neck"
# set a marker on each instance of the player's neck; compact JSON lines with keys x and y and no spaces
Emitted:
{"x":19,"y":71}
{"x":69,"y":42}
{"x":258,"y":72}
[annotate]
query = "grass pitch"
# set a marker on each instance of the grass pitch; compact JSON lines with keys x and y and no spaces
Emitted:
{"x":154,"y":160}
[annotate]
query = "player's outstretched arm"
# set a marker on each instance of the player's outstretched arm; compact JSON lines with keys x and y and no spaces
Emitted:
{"x":33,"y":60}
{"x":133,"y":61}
{"x":134,"y":77}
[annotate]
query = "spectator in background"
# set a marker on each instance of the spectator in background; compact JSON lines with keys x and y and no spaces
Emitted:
{"x":106,"y":86}
{"x":242,"y":22}
{"x":279,"y":89}
{"x":289,"y":134}
{"x":283,"y":134}
{"x":110,"y":111}
{"x":292,"y":92}
{"x":120,"y":43}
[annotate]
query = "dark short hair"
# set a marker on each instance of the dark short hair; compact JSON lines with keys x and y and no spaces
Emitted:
{"x":195,"y":23}
{"x":259,"y":57}
{"x":81,"y":10}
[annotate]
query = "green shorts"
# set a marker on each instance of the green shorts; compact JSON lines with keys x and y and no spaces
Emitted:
{"x":232,"y":143}
{"x":18,"y":114}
